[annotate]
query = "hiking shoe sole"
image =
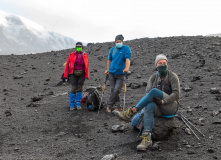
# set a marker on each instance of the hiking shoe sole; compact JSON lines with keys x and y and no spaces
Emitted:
{"x":121,"y":116}
{"x":109,"y":110}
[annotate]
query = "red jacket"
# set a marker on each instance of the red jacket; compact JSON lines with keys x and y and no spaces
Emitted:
{"x":69,"y":69}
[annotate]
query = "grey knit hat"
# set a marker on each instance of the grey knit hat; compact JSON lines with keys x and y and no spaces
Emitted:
{"x":160,"y":57}
{"x":119,"y":37}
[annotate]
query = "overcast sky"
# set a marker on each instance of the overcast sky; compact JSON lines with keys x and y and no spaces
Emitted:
{"x":102,"y":20}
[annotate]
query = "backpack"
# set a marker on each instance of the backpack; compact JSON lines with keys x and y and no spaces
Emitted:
{"x":92,"y":99}
{"x":137,"y":121}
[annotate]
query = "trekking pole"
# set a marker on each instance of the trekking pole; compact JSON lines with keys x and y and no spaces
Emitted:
{"x":125,"y":90}
{"x":107,"y":76}
{"x":192,"y":125}
{"x":188,"y":126}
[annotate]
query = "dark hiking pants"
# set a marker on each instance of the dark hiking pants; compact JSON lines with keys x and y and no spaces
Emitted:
{"x":116,"y":83}
{"x":77,"y":82}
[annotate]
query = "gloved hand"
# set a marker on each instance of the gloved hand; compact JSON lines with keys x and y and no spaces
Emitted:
{"x":158,"y":101}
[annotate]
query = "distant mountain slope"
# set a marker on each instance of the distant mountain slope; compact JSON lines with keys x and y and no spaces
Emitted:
{"x":19,"y":35}
{"x":214,"y":35}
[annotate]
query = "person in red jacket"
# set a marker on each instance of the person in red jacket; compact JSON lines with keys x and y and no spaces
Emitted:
{"x":77,"y":68}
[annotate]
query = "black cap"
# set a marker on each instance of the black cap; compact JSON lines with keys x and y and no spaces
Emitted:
{"x":119,"y":37}
{"x":79,"y":44}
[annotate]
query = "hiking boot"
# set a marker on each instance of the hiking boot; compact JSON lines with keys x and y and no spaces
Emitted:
{"x":78,"y":108}
{"x":118,"y":109}
{"x":71,"y":109}
{"x":146,"y":142}
{"x":109,"y":109}
{"x":125,"y":115}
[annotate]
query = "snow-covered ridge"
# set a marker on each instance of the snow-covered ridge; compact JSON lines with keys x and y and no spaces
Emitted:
{"x":20,"y":35}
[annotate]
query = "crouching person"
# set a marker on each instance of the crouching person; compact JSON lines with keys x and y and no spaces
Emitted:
{"x":161,"y":100}
{"x":77,"y":68}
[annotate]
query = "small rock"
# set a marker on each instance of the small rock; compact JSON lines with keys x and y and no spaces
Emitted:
{"x":215,"y":157}
{"x":202,"y":120}
{"x":110,"y":157}
{"x":215,"y":113}
{"x":5,"y":89}
{"x":187,"y":89}
{"x":61,"y":134}
{"x":144,"y":84}
{"x":36,"y":98}
{"x":17,"y":77}
{"x":190,"y":152}
{"x":135,"y":85}
{"x":184,"y":142}
{"x":210,"y":150}
{"x":8,"y":113}
{"x":195,"y":78}
{"x":105,"y":124}
{"x":121,"y":128}
{"x":48,"y":79}
{"x":218,"y":97}
{"x":215,"y":91}
{"x":211,"y":137}
{"x":100,"y":57}
{"x":138,"y":76}
{"x":189,"y":110}
{"x":155,"y":146}
{"x":188,"y":131}
{"x":216,"y":122}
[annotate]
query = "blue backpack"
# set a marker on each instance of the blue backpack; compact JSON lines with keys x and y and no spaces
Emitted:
{"x":137,"y":121}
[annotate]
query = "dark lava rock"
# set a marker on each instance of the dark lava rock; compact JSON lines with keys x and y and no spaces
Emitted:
{"x":202,"y":62}
{"x":17,"y":77}
{"x":155,"y":146}
{"x":210,"y":150}
{"x":8,"y":113}
{"x":36,"y":98}
{"x":217,"y":122}
{"x":144,"y":84}
{"x":32,"y":105}
{"x":48,"y":79}
{"x":135,"y":85}
{"x":195,"y":78}
{"x":190,"y":152}
{"x":215,"y":91}
{"x":100,"y":57}
{"x":164,"y":128}
{"x":218,"y":97}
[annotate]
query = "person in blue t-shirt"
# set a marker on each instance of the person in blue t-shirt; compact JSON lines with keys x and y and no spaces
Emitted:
{"x":118,"y":65}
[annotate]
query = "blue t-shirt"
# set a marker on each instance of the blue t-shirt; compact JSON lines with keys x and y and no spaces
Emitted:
{"x":118,"y":58}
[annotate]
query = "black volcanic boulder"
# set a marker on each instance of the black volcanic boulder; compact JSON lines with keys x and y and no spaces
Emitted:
{"x":164,"y":128}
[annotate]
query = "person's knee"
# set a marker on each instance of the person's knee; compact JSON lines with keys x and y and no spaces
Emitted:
{"x":150,"y":107}
{"x":154,"y":91}
{"x":73,"y":89}
{"x":79,"y":88}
